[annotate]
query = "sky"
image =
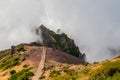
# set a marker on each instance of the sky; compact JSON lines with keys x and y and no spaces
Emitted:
{"x":94,"y":24}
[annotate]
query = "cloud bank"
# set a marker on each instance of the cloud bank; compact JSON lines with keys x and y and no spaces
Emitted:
{"x":93,"y":24}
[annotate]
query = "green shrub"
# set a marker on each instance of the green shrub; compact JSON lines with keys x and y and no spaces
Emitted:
{"x":85,"y":63}
{"x":65,"y":69}
{"x":21,"y":48}
{"x":24,"y":74}
{"x":55,"y":73}
{"x":42,"y":77}
{"x":70,"y":75}
{"x":116,"y":76}
{"x":12,"y":63}
{"x":9,"y":63}
{"x":12,"y":72}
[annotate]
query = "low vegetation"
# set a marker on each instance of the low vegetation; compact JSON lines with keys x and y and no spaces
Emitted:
{"x":107,"y":70}
{"x":12,"y":72}
{"x":4,"y":53}
{"x":20,"y":48}
{"x":70,"y":75}
{"x":24,"y":74}
{"x":42,"y":77}
{"x":85,"y":63}
{"x":55,"y":73}
{"x":9,"y":62}
{"x":65,"y":69}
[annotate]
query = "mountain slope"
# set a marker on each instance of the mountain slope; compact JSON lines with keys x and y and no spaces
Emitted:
{"x":106,"y":70}
{"x":57,"y":58}
{"x":30,"y":57}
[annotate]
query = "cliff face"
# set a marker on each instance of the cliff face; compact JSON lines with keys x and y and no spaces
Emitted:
{"x":59,"y":41}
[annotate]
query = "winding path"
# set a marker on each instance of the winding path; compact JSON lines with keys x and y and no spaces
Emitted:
{"x":41,"y":65}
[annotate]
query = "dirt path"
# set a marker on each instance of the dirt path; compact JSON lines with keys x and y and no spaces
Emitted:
{"x":39,"y":70}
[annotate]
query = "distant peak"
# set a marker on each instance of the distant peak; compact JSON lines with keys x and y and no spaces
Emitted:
{"x":59,"y":40}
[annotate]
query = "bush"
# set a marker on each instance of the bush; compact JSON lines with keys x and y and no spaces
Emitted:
{"x":55,"y":73}
{"x":116,"y":76}
{"x":42,"y":77}
{"x":20,"y":48}
{"x":24,"y":74}
{"x":10,"y":63}
{"x":70,"y":75}
{"x":12,"y":72}
{"x":65,"y":69}
{"x":85,"y":63}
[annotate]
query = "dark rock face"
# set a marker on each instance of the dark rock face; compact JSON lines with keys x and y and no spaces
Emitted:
{"x":59,"y":41}
{"x":46,"y":36}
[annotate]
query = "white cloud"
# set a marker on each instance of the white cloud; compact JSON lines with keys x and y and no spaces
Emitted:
{"x":93,"y":24}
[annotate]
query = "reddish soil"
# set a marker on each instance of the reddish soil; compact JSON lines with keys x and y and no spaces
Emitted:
{"x":34,"y":54}
{"x":61,"y":57}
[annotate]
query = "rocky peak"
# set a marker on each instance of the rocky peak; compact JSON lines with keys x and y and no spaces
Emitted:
{"x":59,"y":41}
{"x":46,"y":35}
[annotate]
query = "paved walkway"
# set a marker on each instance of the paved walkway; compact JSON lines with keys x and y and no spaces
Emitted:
{"x":39,"y":71}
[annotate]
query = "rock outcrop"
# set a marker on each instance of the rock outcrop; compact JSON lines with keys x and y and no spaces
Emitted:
{"x":58,"y":41}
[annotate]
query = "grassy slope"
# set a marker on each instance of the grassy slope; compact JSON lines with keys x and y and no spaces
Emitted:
{"x":106,"y":70}
{"x":14,"y":63}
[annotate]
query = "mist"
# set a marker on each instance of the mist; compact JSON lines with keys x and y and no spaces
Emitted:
{"x":93,"y":24}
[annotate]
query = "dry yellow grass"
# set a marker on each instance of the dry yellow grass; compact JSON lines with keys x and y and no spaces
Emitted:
{"x":4,"y":75}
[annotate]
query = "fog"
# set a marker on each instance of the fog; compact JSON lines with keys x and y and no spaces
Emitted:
{"x":93,"y":24}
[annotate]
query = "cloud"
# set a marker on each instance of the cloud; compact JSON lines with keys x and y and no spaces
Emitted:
{"x":93,"y":24}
